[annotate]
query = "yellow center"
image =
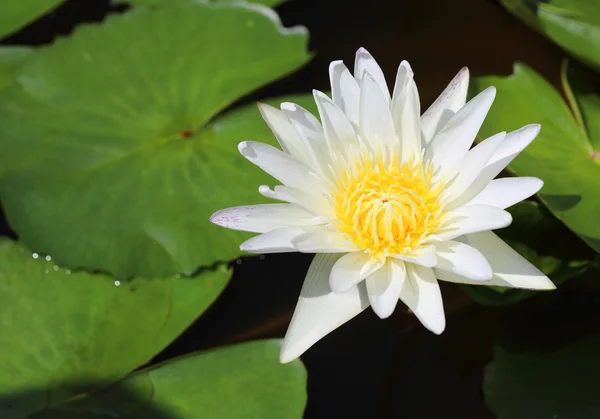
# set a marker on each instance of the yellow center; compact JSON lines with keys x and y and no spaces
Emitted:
{"x":387,"y":207}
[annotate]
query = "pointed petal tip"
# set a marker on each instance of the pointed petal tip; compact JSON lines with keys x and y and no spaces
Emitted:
{"x":286,"y":356}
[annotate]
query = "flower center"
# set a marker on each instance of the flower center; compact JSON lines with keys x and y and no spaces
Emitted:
{"x":387,"y":207}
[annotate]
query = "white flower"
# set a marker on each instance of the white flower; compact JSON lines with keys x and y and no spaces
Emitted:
{"x":389,"y":199}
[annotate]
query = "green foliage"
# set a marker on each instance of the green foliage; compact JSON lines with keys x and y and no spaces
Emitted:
{"x":244,"y":381}
{"x":11,"y":59}
{"x":70,"y":332}
{"x":563,"y":154}
{"x":15,"y":14}
{"x":529,"y":235}
{"x":572,"y":24}
{"x":113,"y":139}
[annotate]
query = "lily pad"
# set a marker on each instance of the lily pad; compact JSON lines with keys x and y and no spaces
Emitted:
{"x":67,"y":333}
{"x":562,"y":155}
{"x":15,"y":14}
{"x":572,"y":24}
{"x":244,"y":381}
{"x":560,"y":259}
{"x":114,"y":152}
{"x":11,"y":59}
{"x":268,"y":3}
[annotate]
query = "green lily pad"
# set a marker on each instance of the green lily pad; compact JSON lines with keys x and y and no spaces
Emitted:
{"x":114,"y":153}
{"x":15,"y":14}
{"x":560,"y":383}
{"x":68,"y":333}
{"x":561,"y":259}
{"x":572,"y":24}
{"x":562,"y":155}
{"x":268,"y":3}
{"x":244,"y":381}
{"x":11,"y":58}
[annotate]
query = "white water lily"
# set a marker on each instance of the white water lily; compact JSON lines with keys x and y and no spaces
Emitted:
{"x":389,"y":199}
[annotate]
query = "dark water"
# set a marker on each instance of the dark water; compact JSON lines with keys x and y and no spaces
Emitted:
{"x":368,"y":368}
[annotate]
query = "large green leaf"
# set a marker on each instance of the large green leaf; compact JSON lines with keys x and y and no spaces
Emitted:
{"x":562,"y":155}
{"x":244,"y":381}
{"x":16,"y":13}
{"x":65,"y":333}
{"x":572,"y":24}
{"x":113,"y":153}
{"x":561,"y":383}
{"x":11,"y":59}
{"x":562,"y":258}
{"x":269,"y":3}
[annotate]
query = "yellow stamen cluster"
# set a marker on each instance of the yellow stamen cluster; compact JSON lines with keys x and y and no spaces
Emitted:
{"x":386,"y":206}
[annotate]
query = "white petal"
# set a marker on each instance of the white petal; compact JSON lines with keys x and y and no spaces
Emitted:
{"x":469,"y":169}
{"x":281,"y":166}
{"x":375,"y":119}
{"x":384,"y":287}
{"x":365,"y":62}
{"x":319,"y":310}
{"x":345,"y":92}
{"x":421,"y":293}
{"x":283,"y":130}
{"x":345,"y":274}
{"x":322,"y":240}
{"x":510,"y":269}
{"x":445,"y":106}
{"x":406,"y":111}
{"x":274,"y":241}
{"x":313,"y":203}
{"x":464,"y":260}
{"x":457,"y":136}
{"x":311,"y":134}
{"x":338,"y":129}
{"x":424,"y":256}
{"x":472,"y":219}
{"x":262,"y":218}
{"x":507,"y":191}
{"x":512,"y":145}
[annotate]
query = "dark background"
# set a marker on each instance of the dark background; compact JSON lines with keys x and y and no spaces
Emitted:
{"x":368,"y":368}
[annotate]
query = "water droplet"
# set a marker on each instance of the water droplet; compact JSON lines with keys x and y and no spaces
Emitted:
{"x":46,"y":271}
{"x":35,"y":256}
{"x":68,"y":272}
{"x":177,"y":276}
{"x":117,"y":283}
{"x":262,"y":257}
{"x":239,"y":261}
{"x":55,"y":268}
{"x":48,"y":258}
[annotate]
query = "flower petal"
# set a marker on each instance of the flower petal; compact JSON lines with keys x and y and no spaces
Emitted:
{"x":262,"y":218}
{"x":345,"y":92}
{"x":322,"y":240}
{"x":421,"y":293}
{"x":319,"y":310}
{"x":464,"y":260}
{"x":384,"y":287}
{"x":285,"y":133}
{"x":512,"y":145}
{"x":507,"y":191}
{"x":375,"y":119}
{"x":468,"y":170}
{"x":274,"y":241}
{"x":472,"y":219}
{"x":510,"y":269}
{"x":338,"y":129}
{"x":454,"y":140}
{"x":365,"y":62}
{"x":406,"y":111}
{"x":425,"y":256}
{"x":281,"y":166}
{"x":445,"y":106}
{"x":345,"y":274}
{"x":314,"y":204}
